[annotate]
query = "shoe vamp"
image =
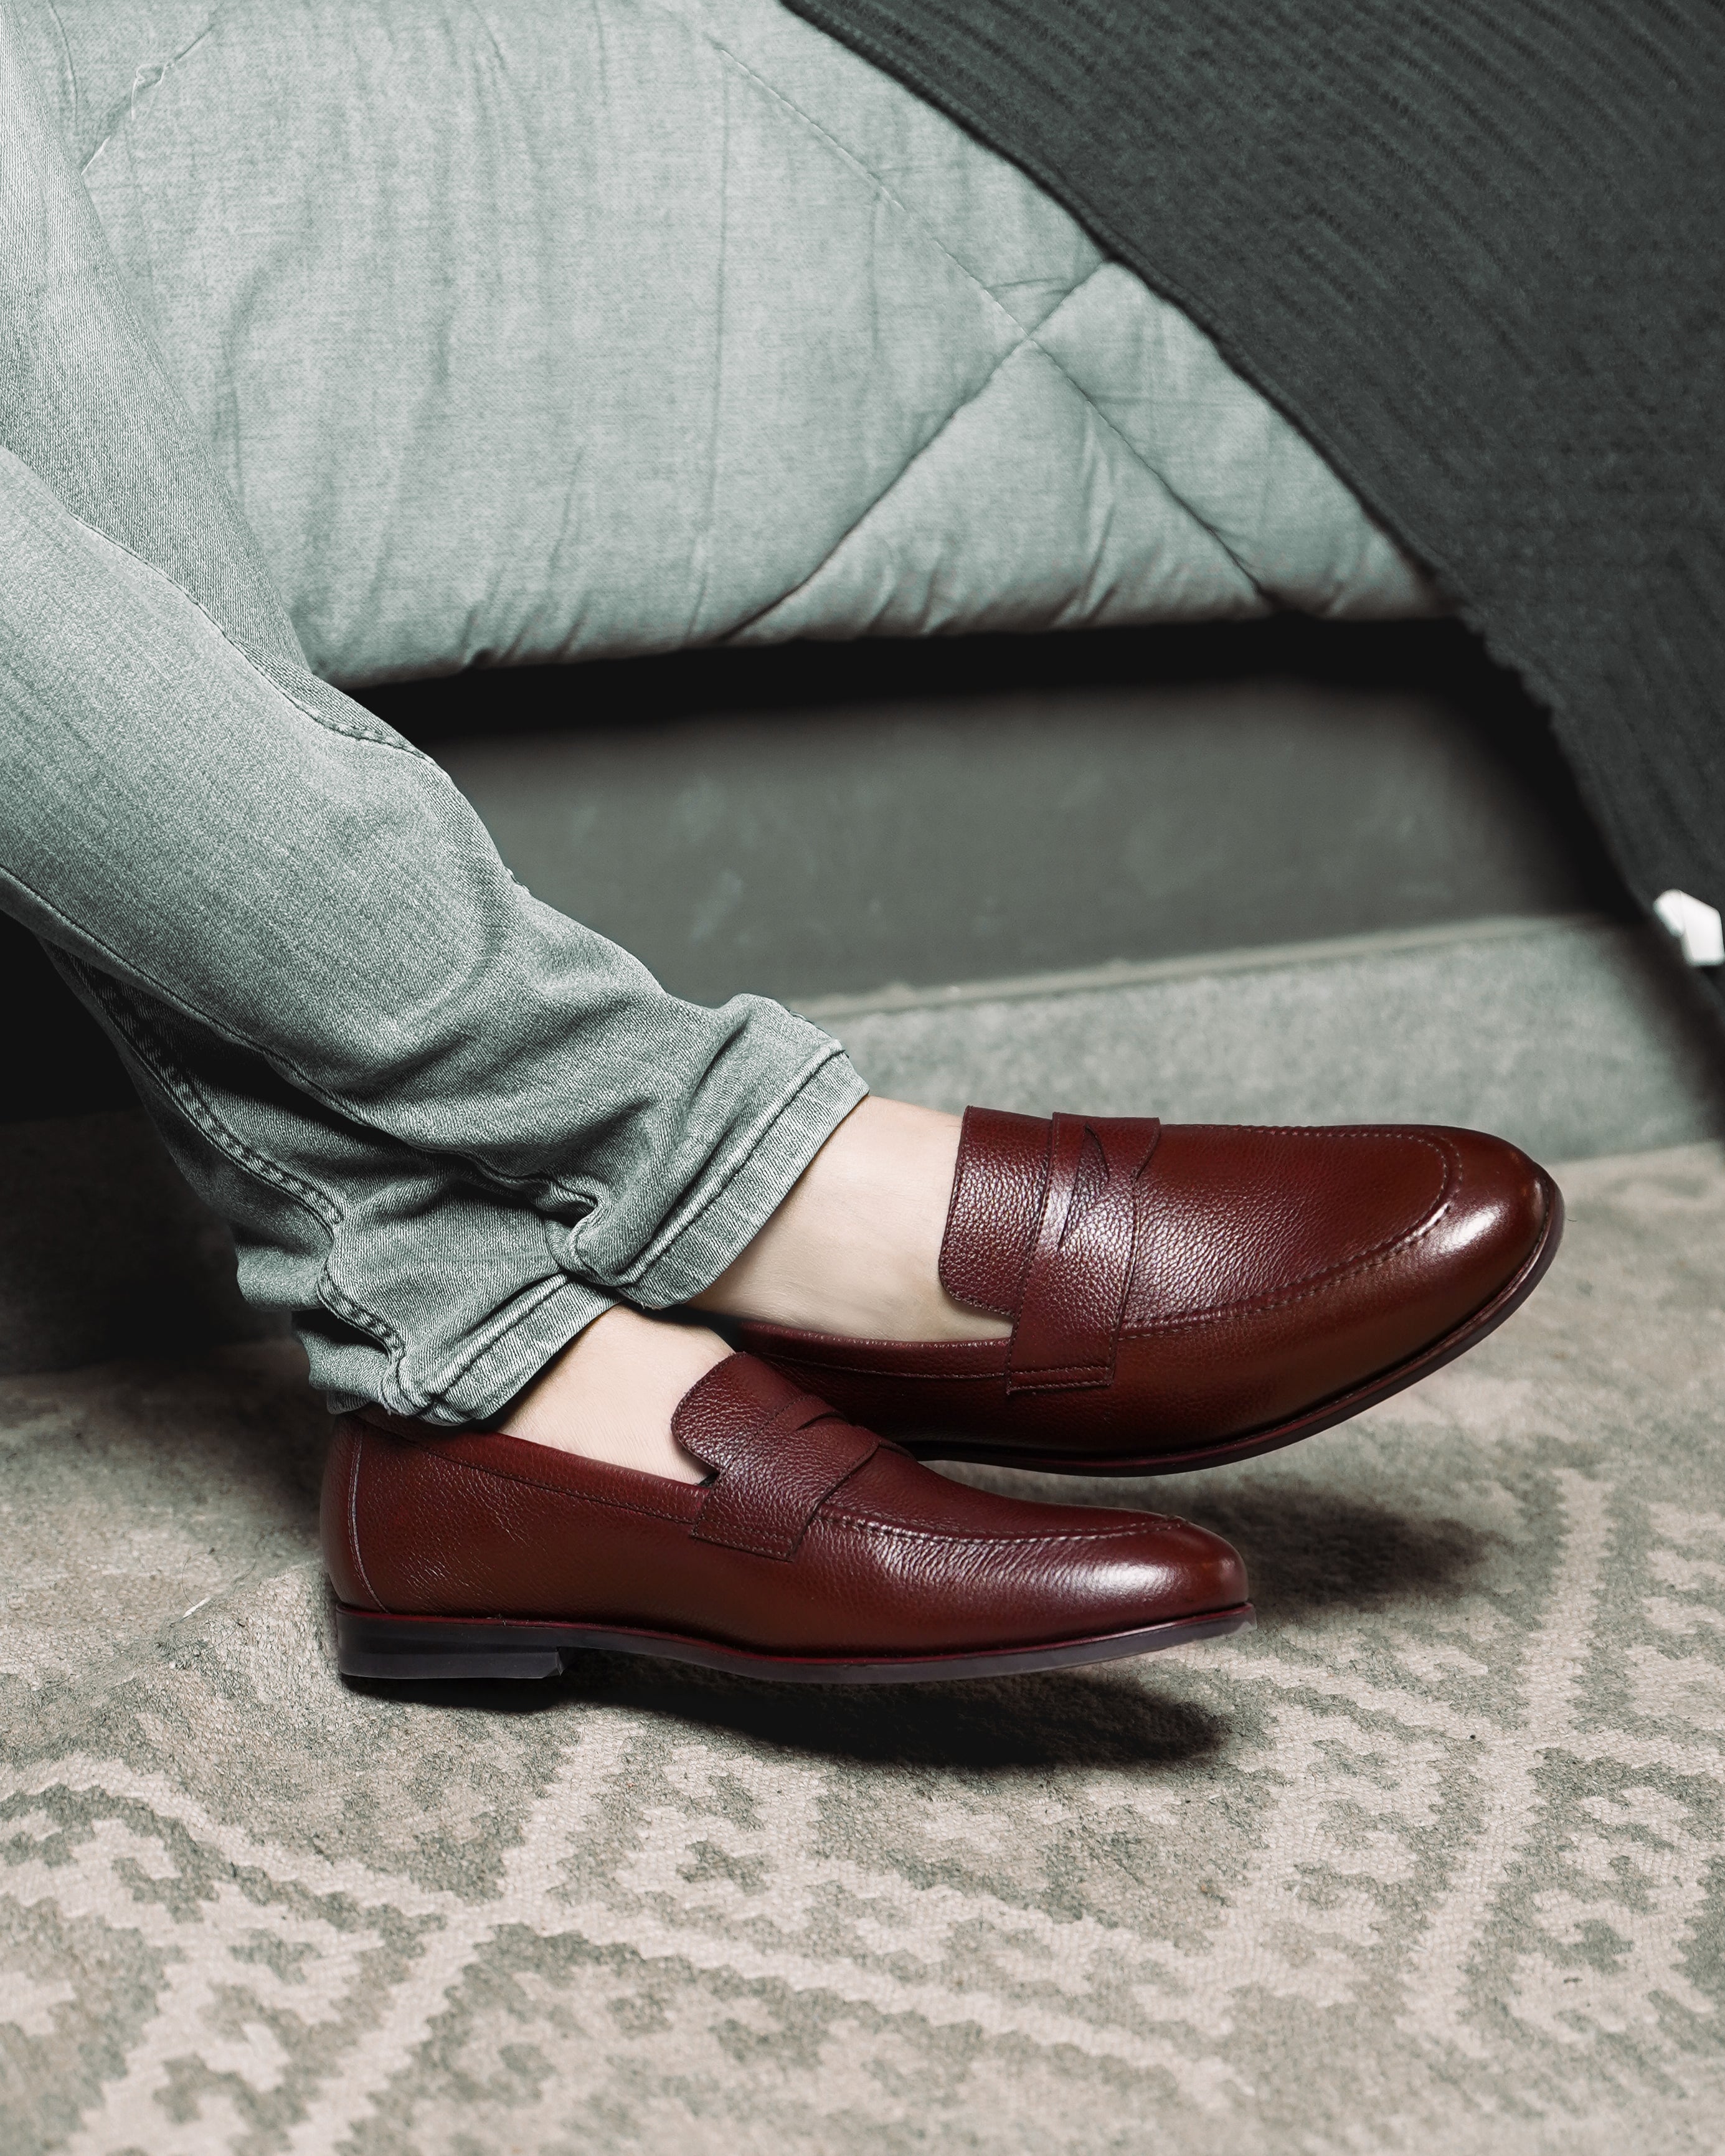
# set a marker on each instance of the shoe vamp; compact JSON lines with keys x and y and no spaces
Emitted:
{"x":1237,"y":1218}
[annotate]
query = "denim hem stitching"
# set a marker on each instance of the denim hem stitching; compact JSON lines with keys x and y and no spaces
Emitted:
{"x":180,"y":1088}
{"x":437,"y":1393}
{"x":670,"y":1237}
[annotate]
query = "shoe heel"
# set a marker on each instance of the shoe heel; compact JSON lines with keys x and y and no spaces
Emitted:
{"x":408,"y":1649}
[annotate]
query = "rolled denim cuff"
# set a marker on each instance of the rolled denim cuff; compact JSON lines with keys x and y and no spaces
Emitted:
{"x":523,"y":1346}
{"x":823,"y":1094}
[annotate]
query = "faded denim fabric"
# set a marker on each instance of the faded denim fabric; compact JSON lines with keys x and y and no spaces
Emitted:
{"x":448,"y":1126}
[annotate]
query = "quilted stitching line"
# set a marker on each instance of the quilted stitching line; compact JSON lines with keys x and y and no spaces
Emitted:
{"x":1132,"y":450}
{"x":1032,"y":337}
{"x":884,"y":495}
{"x":872,"y":179}
{"x":1021,"y":336}
{"x":1031,"y":341}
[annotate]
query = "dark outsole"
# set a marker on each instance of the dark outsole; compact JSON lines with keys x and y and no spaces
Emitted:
{"x":374,"y":1645}
{"x":1487,"y":1319}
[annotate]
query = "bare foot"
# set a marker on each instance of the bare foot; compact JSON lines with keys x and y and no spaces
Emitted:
{"x":854,"y":1248}
{"x":612,"y":1393}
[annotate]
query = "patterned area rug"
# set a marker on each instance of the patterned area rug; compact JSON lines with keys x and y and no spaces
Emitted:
{"x":1432,"y":1861}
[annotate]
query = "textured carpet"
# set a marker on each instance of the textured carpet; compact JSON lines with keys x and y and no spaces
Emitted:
{"x":1431,"y":1862}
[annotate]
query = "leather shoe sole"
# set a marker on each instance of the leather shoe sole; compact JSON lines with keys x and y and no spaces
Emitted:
{"x":403,"y":1649}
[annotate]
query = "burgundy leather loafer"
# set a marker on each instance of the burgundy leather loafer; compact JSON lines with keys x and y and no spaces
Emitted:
{"x":816,"y":1552}
{"x":1192,"y":1294}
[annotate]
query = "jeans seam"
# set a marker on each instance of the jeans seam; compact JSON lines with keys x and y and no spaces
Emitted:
{"x":528,"y":1188}
{"x":483,"y":1171}
{"x":407,"y":1400}
{"x":379,"y":735}
{"x":329,"y":1215}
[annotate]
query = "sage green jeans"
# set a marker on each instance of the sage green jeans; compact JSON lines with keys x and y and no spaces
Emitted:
{"x":447,"y":1125}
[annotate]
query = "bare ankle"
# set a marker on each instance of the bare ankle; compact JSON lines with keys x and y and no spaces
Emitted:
{"x":611,"y":1394}
{"x":855,"y":1248}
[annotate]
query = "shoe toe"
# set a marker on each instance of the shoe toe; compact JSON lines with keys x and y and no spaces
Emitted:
{"x":1287,"y":1269}
{"x":1190,"y":1292}
{"x":1416,"y":1281}
{"x":1499,"y":1209}
{"x":1153,"y":1570}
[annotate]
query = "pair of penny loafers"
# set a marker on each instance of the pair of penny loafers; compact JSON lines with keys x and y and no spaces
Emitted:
{"x":1178,"y":1297}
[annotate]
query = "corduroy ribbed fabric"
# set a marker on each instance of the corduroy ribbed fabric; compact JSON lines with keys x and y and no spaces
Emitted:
{"x":1472,"y":248}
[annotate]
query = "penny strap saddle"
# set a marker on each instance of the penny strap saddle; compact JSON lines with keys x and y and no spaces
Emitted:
{"x":1043,"y":1230}
{"x":778,"y":1453}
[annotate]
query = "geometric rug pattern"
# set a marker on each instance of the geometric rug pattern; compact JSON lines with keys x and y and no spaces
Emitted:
{"x":1432,"y":1861}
